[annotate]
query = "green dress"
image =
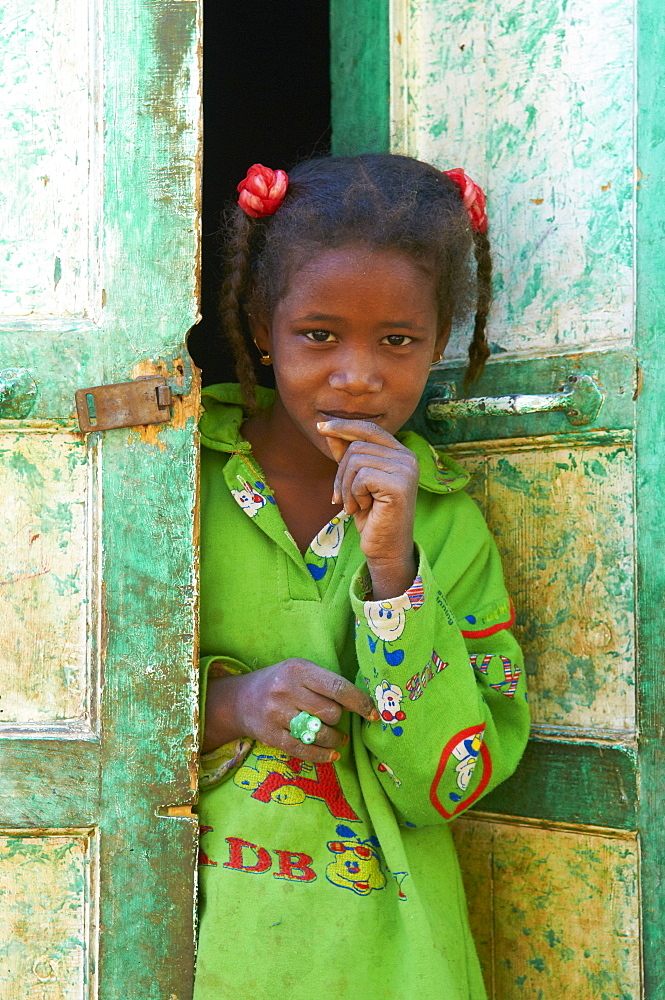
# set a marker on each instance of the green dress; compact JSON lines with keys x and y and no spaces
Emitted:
{"x":341,"y":880}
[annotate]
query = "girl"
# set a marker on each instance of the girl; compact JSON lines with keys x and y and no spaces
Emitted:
{"x":360,"y":686}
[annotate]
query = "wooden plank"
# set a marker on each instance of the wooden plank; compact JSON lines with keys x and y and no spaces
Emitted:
{"x":571,"y":783}
{"x":120,"y":204}
{"x":474,"y":840}
{"x":564,"y":909}
{"x":49,"y":783}
{"x":360,"y":92}
{"x":649,"y":473}
{"x":147,"y":707}
{"x":563,"y":521}
{"x":149,"y":482}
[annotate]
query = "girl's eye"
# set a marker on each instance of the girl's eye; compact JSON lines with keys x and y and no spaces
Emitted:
{"x":397,"y":340}
{"x":320,"y":336}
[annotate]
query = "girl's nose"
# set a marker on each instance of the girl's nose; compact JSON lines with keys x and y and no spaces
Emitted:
{"x":356,"y":375}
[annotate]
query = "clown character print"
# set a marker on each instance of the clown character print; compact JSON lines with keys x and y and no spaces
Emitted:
{"x":462,"y":756}
{"x":357,"y":865}
{"x":387,"y":619}
{"x":388,"y":701}
{"x":466,"y":753}
{"x":247,"y":498}
{"x":325,"y":545}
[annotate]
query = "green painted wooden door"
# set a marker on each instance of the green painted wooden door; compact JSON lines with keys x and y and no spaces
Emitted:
{"x":556,"y":108}
{"x":98,"y":246}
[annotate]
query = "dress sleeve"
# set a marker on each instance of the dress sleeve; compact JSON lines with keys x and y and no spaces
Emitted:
{"x":447,"y":678}
{"x":216,"y":765}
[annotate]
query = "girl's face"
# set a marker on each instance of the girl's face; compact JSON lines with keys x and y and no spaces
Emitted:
{"x":353,"y":337}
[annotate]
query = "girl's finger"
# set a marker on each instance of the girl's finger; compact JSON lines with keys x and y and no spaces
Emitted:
{"x":343,"y":692}
{"x":356,"y":492}
{"x":368,"y":453}
{"x":357,"y":430}
{"x":340,"y":433}
{"x":327,"y":737}
{"x":337,"y":447}
{"x":303,"y":751}
{"x":363,"y":483}
{"x":278,"y":735}
{"x":363,"y":455}
{"x":325,"y":709}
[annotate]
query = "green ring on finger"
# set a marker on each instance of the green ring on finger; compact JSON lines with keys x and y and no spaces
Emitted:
{"x":304,"y":727}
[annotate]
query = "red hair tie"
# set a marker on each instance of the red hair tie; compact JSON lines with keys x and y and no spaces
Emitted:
{"x":473,"y":197}
{"x":262,"y":191}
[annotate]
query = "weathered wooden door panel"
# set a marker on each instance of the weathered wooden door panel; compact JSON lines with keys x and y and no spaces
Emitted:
{"x":58,"y":907}
{"x":99,"y":120}
{"x":548,"y":507}
{"x":555,"y":912}
{"x":537,"y":101}
{"x":48,"y":516}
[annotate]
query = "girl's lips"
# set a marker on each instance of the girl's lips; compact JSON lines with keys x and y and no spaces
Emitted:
{"x":343,"y":415}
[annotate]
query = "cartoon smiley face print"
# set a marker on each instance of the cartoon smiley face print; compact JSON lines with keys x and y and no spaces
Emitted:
{"x":386,"y":619}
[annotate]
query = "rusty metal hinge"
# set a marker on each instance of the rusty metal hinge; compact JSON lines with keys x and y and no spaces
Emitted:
{"x":146,"y":400}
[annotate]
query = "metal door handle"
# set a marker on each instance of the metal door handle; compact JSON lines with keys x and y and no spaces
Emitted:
{"x":580,"y":399}
{"x":18,"y":392}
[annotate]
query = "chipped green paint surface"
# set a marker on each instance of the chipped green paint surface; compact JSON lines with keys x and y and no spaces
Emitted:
{"x":580,"y":399}
{"x":616,"y":373}
{"x":536,"y":102}
{"x":359,"y":71}
{"x":98,"y":284}
{"x":562,"y":781}
{"x":50,"y":137}
{"x":650,"y":435}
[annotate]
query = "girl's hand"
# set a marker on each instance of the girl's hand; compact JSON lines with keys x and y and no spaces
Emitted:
{"x":377,"y":481}
{"x":261,"y":705}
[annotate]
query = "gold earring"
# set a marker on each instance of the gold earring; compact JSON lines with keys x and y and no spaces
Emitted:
{"x":436,"y":360}
{"x":265,"y":358}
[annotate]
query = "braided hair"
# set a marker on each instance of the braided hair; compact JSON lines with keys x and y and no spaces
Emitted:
{"x":376,"y":201}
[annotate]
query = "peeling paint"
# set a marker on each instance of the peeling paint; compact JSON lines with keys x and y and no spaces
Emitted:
{"x":45,"y":950}
{"x":563,"y":522}
{"x":45,"y":508}
{"x":174,"y":32}
{"x":185,"y":407}
{"x":536,"y":102}
{"x":554,"y":911}
{"x":49,"y":160}
{"x":97,"y":568}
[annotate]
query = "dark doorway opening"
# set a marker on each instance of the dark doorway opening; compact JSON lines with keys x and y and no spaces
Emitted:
{"x":266,"y":99}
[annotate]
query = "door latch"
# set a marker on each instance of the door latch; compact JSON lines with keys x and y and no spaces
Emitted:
{"x":146,"y":400}
{"x":580,"y":398}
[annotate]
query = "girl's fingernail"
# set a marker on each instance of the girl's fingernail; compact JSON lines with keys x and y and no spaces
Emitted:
{"x":335,"y":756}
{"x":374,"y":715}
{"x":321,"y":423}
{"x":345,"y":739}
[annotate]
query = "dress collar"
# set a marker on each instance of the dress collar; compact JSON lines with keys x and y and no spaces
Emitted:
{"x":224,"y":413}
